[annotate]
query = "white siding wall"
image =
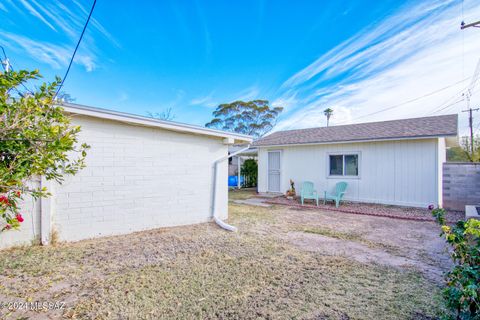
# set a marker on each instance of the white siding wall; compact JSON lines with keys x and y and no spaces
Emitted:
{"x":403,"y":172}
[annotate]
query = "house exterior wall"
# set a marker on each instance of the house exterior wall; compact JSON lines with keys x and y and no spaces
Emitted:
{"x":403,"y":172}
{"x":136,"y":178}
{"x":30,"y":229}
{"x":139,"y":178}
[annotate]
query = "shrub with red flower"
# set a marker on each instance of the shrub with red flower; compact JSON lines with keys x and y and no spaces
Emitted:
{"x":4,"y":200}
{"x":19,"y":217}
{"x":9,"y":210}
{"x":37,"y":138}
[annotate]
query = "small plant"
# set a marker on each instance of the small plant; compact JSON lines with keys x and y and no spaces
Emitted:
{"x":291,"y":192}
{"x":462,"y":294}
{"x":249,"y":170}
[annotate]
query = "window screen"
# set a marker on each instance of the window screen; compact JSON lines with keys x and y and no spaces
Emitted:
{"x":336,"y":165}
{"x":344,"y":165}
{"x":351,"y":165}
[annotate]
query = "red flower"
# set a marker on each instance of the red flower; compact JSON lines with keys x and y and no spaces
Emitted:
{"x":4,"y":200}
{"x":7,"y":226}
{"x":19,"y":217}
{"x":18,"y":193}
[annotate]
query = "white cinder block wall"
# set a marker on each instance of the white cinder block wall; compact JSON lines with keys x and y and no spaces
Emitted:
{"x":403,"y":172}
{"x":30,"y":228}
{"x":139,"y":178}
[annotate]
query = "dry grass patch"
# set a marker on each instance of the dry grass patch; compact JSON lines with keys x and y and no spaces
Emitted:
{"x":250,"y":280}
{"x":247,"y":214}
{"x":242,"y":194}
{"x":351,"y":236}
{"x":207,"y":273}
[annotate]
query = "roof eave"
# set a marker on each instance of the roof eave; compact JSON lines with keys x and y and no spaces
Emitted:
{"x":357,"y":141}
{"x":151,"y":122}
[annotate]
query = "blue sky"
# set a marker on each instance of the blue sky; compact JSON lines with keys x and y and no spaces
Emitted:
{"x":357,"y":57}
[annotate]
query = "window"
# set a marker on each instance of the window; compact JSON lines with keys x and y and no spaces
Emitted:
{"x":343,"y":165}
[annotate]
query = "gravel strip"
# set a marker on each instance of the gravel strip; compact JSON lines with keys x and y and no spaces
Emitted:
{"x":388,"y":211}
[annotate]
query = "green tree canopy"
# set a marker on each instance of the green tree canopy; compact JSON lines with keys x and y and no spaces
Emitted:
{"x":36,"y":139}
{"x":254,"y":118}
{"x":464,"y":152}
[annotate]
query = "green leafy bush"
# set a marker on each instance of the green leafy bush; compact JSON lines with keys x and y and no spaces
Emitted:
{"x":36,"y":139}
{"x":462,"y":293}
{"x":250,"y":171}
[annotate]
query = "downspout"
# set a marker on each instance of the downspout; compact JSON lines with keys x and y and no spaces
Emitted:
{"x":222,"y":224}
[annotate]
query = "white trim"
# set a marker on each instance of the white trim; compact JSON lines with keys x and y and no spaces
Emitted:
{"x":46,"y":212}
{"x":350,"y":141}
{"x":268,"y":172}
{"x":151,"y":122}
{"x":344,"y":153}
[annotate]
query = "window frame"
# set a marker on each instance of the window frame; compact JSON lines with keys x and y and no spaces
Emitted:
{"x":343,"y":154}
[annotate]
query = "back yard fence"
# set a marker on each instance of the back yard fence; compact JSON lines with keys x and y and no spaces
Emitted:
{"x":461,"y":184}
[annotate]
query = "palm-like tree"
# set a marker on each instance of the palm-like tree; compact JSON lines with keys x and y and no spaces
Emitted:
{"x":328,"y":113}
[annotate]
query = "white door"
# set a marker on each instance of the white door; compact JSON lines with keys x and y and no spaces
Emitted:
{"x":274,"y":171}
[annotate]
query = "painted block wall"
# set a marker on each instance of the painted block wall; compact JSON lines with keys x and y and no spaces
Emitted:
{"x":139,"y":178}
{"x":461,"y":185}
{"x":30,"y":228}
{"x":403,"y":172}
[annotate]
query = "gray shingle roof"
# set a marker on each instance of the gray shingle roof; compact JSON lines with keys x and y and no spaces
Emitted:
{"x":436,"y":126}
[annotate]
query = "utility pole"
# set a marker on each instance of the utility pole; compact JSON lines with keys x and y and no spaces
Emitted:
{"x":470,"y":122}
{"x":463,"y":26}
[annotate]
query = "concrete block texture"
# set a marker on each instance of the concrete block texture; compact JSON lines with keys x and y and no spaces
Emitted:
{"x":461,"y":185}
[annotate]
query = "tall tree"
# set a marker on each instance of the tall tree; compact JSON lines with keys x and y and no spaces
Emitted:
{"x":65,"y":97}
{"x":254,"y":118}
{"x":166,"y":114}
{"x":328,"y":113}
{"x":463,"y":152}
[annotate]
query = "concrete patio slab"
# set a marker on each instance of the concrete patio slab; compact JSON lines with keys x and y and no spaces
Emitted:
{"x":254,"y":202}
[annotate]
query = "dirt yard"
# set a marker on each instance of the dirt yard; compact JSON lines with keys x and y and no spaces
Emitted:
{"x":282,"y":264}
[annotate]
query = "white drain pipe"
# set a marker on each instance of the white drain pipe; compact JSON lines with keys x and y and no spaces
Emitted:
{"x":222,"y":224}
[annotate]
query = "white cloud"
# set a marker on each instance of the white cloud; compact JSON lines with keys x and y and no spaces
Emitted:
{"x":286,"y":101}
{"x":206,"y":101}
{"x":35,"y":13}
{"x":248,"y":94}
{"x":57,"y":56}
{"x":412,"y":53}
{"x":64,"y":18}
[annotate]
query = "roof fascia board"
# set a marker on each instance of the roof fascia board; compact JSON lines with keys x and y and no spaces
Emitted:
{"x":139,"y":120}
{"x":352,"y":141}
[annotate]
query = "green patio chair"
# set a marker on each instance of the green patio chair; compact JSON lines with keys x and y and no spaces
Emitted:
{"x":308,"y":192}
{"x":340,"y":188}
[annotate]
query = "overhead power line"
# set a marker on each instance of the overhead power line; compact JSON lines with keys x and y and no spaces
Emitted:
{"x":411,"y":100}
{"x":468,"y":25}
{"x":76,"y":48}
{"x":443,"y":108}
